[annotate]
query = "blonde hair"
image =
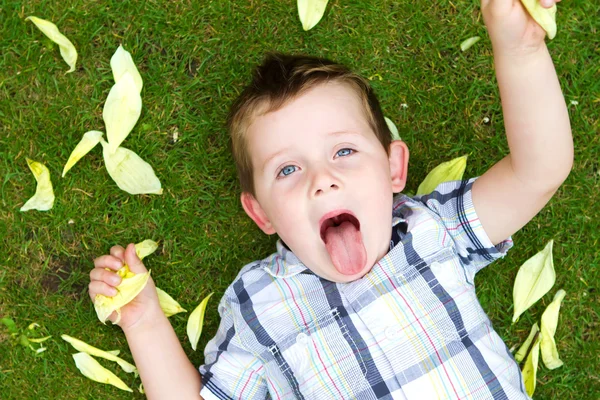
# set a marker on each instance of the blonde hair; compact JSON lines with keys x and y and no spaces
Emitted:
{"x":281,"y":78}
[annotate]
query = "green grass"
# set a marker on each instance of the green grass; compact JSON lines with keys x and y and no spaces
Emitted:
{"x":195,"y":57}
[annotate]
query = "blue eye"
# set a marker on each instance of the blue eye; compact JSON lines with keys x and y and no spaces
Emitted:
{"x":287,"y":170}
{"x":344,"y":152}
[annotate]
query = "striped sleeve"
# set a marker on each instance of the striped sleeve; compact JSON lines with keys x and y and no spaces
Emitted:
{"x":230,"y":372}
{"x":453,"y":203}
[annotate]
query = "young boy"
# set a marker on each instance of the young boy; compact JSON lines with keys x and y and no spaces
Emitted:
{"x":367,"y":296}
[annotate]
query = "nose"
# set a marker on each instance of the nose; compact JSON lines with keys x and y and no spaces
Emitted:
{"x":324,"y":182}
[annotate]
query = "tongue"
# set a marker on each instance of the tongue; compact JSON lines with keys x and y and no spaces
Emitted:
{"x":346,"y":249}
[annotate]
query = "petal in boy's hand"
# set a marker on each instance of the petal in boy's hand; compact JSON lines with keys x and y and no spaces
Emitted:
{"x":512,"y":29}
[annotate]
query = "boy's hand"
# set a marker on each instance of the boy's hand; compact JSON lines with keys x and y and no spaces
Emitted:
{"x":511,"y":28}
{"x":145,"y":305}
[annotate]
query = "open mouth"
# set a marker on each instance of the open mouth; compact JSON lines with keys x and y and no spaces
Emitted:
{"x":336,"y":219}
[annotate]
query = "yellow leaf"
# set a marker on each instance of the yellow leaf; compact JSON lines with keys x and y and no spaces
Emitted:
{"x":130,"y":172}
{"x":122,"y":110}
{"x":126,"y":291}
{"x":545,"y":17}
{"x":452,"y":170}
{"x":466,"y":44}
{"x":93,"y":351}
{"x":67,"y":50}
{"x":195,"y":322}
{"x":39,"y":340}
{"x":92,"y":369}
{"x":121,"y":63}
{"x":311,"y":12}
{"x":145,"y":248}
{"x":549,"y":323}
{"x":168,"y":304}
{"x":520,"y":355}
{"x":43,"y":199}
{"x":392,"y":128}
{"x":530,"y":368}
{"x":535,"y":278}
{"x":88,"y":142}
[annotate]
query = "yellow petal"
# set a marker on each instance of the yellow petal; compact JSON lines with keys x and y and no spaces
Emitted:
{"x":195,"y":322}
{"x":145,"y":248}
{"x":311,"y":12}
{"x":114,"y":352}
{"x":93,"y":351}
{"x":534,"y":279}
{"x":520,"y":355}
{"x":549,"y":323}
{"x":466,"y":44}
{"x":452,"y":170}
{"x":88,"y":142}
{"x":67,"y":50}
{"x":40,"y":340}
{"x":392,"y":128}
{"x":43,"y":199}
{"x":545,"y":17}
{"x":92,"y":369}
{"x":121,"y":63}
{"x":168,"y":304}
{"x":126,"y":291}
{"x":130,"y":172}
{"x":121,"y":111}
{"x":141,"y":388}
{"x":530,"y":368}
{"x":33,"y":325}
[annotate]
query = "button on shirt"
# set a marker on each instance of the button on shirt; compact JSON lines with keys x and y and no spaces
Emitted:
{"x":411,"y":328}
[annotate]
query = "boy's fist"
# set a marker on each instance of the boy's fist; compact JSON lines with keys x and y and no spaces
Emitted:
{"x":104,"y":282}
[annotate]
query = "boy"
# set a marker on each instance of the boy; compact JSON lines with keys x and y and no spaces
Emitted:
{"x":367,"y":297}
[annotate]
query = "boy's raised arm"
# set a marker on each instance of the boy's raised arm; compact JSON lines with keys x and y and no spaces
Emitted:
{"x":537,"y":124}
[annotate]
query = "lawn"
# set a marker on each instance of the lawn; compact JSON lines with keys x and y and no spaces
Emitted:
{"x":195,"y":57}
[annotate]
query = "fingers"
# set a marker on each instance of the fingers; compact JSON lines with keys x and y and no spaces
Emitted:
{"x":131,"y":259}
{"x":548,"y":3}
{"x":118,"y":251}
{"x":99,"y":287}
{"x":108,"y":277}
{"x":108,"y":261}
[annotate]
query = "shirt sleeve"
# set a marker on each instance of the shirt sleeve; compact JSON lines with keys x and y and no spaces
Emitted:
{"x":230,"y":372}
{"x":453,"y":203}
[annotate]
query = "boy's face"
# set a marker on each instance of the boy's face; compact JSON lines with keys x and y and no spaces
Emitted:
{"x":324,"y":183}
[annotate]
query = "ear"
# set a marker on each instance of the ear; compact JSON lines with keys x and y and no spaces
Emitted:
{"x":255,"y":211}
{"x":398,"y":157}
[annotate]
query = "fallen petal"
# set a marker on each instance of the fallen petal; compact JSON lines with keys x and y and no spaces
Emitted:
{"x":545,"y":17}
{"x":33,"y":325}
{"x":465,"y":45}
{"x":41,"y":350}
{"x":311,"y":12}
{"x":393,"y":129}
{"x":195,"y":322}
{"x":88,"y":142}
{"x":126,"y":291}
{"x":40,"y":340}
{"x":122,"y":110}
{"x":130,"y":172}
{"x":452,"y":170}
{"x":145,"y":248}
{"x":67,"y":50}
{"x":121,"y":63}
{"x":168,"y":304}
{"x":93,"y":351}
{"x":549,"y":323}
{"x":522,"y":352}
{"x":534,"y":279}
{"x":92,"y":369}
{"x":43,"y":199}
{"x":530,"y":368}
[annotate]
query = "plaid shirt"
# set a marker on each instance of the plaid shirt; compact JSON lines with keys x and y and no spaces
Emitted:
{"x":411,"y":328}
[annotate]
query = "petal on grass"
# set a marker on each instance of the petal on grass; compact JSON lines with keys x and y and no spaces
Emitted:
{"x":88,"y":142}
{"x":39,"y":340}
{"x":43,"y":199}
{"x":93,"y":351}
{"x":534,"y":279}
{"x":121,"y":111}
{"x":522,"y":352}
{"x":452,"y":170}
{"x":545,"y":17}
{"x":168,"y":304}
{"x":393,"y":129}
{"x":549,"y":323}
{"x":67,"y":50}
{"x":92,"y":369}
{"x":130,"y":172}
{"x":145,"y":248}
{"x":121,"y":63}
{"x":195,"y":322}
{"x":311,"y":12}
{"x":466,"y":44}
{"x":126,"y":291}
{"x":530,"y":368}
